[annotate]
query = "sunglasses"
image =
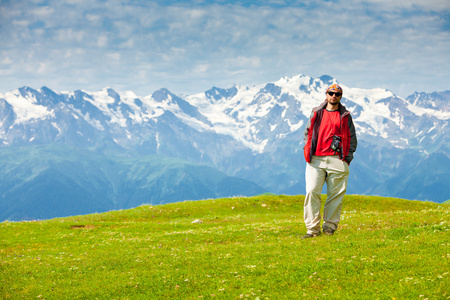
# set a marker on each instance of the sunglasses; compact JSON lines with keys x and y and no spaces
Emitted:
{"x":333,"y":93}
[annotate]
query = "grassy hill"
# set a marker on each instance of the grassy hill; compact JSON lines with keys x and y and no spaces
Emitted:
{"x":245,"y":248}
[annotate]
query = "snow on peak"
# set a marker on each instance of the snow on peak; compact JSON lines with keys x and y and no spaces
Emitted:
{"x":24,"y":105}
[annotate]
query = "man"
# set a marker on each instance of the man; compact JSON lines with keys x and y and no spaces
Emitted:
{"x":330,"y":125}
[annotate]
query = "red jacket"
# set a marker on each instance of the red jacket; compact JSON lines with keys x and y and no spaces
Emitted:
{"x":348,"y":133}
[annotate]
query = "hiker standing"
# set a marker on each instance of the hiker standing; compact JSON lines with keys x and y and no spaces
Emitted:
{"x":330,"y":140}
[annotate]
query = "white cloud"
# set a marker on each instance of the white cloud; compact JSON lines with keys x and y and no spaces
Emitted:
{"x":68,"y":36}
{"x":243,"y":63}
{"x":102,"y":41}
{"x":398,"y":45}
{"x":201,"y":68}
{"x":93,"y":18}
{"x":113,"y":56}
{"x":21,"y":23}
{"x":5,"y":61}
{"x":433,"y":5}
{"x":42,"y":12}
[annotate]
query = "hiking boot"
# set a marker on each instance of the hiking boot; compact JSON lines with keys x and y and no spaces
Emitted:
{"x":310,"y":235}
{"x":328,"y":231}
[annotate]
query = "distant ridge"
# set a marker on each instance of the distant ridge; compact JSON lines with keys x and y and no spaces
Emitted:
{"x":57,"y":181}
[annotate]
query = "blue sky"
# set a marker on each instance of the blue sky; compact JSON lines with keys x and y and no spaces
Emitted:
{"x":190,"y":46}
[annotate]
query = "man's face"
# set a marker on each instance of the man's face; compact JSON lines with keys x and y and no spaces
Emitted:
{"x":334,"y":97}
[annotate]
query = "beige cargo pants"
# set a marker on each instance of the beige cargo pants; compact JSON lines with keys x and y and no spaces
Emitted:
{"x":334,"y":172}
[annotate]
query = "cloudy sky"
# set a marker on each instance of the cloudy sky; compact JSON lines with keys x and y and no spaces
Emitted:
{"x":190,"y":46}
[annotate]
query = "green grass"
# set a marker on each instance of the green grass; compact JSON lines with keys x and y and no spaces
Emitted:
{"x":246,"y":248}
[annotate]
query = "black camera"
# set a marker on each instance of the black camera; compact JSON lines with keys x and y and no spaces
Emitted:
{"x":336,"y":143}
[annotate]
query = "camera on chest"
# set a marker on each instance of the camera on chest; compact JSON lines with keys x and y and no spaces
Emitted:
{"x":336,"y":143}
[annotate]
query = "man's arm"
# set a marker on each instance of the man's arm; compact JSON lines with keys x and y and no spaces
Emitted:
{"x":353,"y":140}
{"x":305,"y":133}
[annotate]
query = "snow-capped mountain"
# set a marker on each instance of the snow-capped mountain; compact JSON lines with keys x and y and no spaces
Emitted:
{"x":261,"y":116}
{"x":253,"y":132}
{"x":257,"y":117}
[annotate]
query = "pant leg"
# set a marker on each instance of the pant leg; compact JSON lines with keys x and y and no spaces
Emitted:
{"x":337,"y":178}
{"x":315,"y":176}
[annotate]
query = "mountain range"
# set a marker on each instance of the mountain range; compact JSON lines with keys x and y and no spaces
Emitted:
{"x":66,"y":153}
